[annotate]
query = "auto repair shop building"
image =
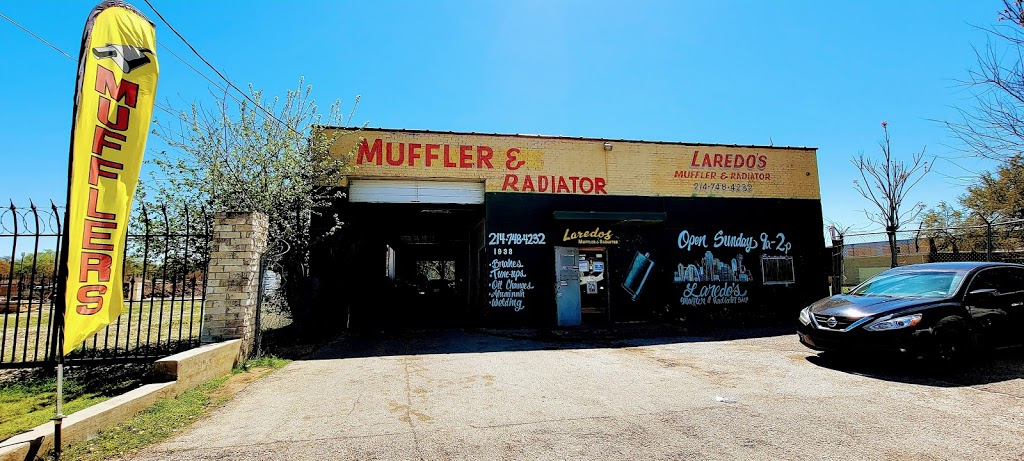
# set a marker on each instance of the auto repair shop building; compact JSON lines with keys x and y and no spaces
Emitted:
{"x":449,"y":229}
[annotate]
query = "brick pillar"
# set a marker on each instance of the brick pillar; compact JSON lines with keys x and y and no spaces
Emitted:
{"x":232,"y":286}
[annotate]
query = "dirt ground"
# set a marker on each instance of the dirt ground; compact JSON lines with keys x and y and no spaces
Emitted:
{"x":459,"y":395}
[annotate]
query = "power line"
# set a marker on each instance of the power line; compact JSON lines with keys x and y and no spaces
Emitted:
{"x":36,"y":36}
{"x":166,"y":109}
{"x":221,"y":75}
{"x":961,"y":180}
{"x":958,"y":165}
{"x":183,"y":61}
{"x":208,"y":79}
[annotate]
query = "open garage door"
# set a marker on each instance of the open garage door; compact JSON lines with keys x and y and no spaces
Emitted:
{"x":413,"y":254}
{"x":411,"y":191}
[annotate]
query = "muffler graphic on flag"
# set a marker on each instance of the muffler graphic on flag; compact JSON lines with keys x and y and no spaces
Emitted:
{"x":127,"y":57}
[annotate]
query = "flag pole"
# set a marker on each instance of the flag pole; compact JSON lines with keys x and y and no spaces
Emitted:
{"x":58,"y":420}
{"x":60,"y":306}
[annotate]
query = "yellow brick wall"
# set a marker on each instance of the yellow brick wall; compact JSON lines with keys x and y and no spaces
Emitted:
{"x":518,"y":162}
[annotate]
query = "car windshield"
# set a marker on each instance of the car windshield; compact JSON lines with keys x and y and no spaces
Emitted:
{"x":922,"y":284}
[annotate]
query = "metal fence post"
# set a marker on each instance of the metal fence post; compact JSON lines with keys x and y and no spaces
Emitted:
{"x":988,"y":240}
{"x":837,"y":264}
{"x":30,"y":289}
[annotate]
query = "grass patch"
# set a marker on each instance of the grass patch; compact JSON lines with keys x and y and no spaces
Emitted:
{"x":166,"y":417}
{"x":154,"y":321}
{"x":153,"y":425}
{"x":262,"y":362}
{"x":28,"y":397}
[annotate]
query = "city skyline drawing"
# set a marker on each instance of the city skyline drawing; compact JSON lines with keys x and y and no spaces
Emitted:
{"x":711,"y":269}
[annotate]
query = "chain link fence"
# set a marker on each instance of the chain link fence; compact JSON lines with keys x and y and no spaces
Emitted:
{"x":858,"y":256}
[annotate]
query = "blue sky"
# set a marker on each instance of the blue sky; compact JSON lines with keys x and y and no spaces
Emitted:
{"x":741,"y":72}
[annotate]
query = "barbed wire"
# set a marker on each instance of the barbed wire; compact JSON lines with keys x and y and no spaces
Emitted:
{"x":30,"y":219}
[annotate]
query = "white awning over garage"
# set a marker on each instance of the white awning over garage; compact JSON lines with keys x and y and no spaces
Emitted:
{"x":412,"y":191}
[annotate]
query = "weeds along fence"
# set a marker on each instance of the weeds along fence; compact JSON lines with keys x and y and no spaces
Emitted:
{"x":164,"y":286}
{"x":858,"y":256}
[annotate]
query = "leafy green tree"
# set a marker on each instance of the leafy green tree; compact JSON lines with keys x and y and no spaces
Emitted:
{"x":949,"y":228}
{"x":886,"y":183}
{"x":998,"y":196}
{"x":997,"y":200}
{"x":44,"y":263}
{"x":268,"y":157}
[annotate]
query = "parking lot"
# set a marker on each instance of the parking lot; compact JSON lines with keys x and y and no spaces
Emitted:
{"x":459,"y":395}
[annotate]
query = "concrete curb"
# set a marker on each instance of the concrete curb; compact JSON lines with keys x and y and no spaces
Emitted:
{"x":196,"y":366}
{"x":185,"y":371}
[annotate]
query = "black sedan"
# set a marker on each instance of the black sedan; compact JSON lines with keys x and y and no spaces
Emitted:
{"x":939,"y":310}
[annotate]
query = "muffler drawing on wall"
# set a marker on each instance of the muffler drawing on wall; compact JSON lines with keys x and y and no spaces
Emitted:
{"x":639,"y":270}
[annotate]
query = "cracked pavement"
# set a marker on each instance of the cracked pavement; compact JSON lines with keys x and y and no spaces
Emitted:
{"x":464,"y":395}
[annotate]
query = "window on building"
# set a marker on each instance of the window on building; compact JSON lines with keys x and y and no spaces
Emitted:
{"x":777,"y":270}
{"x":390,"y":263}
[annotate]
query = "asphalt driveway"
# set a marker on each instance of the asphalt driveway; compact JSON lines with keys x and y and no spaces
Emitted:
{"x":458,"y":395}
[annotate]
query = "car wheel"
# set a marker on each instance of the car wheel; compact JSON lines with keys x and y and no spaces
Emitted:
{"x":953,"y":343}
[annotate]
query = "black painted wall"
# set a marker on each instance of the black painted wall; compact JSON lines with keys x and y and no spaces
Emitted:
{"x":775,"y":228}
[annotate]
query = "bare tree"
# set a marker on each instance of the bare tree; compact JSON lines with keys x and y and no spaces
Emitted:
{"x":886,"y":183}
{"x":994,"y":127}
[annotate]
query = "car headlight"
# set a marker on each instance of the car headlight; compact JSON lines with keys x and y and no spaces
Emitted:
{"x":895,"y":323}
{"x":805,"y":316}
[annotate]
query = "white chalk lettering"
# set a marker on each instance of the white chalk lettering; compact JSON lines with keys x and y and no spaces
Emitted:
{"x":687,"y":241}
{"x":727,"y":293}
{"x":735,"y":241}
{"x":508,"y":284}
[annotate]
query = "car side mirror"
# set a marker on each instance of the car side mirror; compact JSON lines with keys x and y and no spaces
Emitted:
{"x":983,"y":293}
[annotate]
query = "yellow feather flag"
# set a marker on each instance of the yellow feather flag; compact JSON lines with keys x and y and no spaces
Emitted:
{"x":114,"y":96}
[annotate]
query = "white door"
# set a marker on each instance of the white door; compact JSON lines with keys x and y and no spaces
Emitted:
{"x":415,"y":191}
